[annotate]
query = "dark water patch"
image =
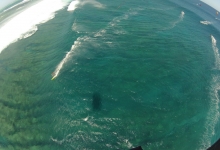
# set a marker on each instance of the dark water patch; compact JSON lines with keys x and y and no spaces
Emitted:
{"x":96,"y":101}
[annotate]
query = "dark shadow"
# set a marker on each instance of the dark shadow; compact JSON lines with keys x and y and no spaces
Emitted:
{"x":96,"y":101}
{"x":215,"y":146}
{"x":137,"y":148}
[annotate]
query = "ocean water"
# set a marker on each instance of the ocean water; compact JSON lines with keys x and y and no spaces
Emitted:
{"x":98,"y":75}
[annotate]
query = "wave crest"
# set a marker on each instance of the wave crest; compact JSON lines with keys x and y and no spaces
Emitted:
{"x":73,"y":5}
{"x":23,"y":25}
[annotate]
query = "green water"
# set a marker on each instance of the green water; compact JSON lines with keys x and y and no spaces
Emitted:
{"x":152,"y":70}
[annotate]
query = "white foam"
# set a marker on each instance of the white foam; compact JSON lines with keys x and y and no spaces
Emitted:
{"x":85,"y":119}
{"x":205,"y":22}
{"x":182,"y":13}
{"x":213,"y":41}
{"x":216,"y":52}
{"x":73,"y":5}
{"x":213,"y":113}
{"x":93,"y":2}
{"x":29,"y":33}
{"x":60,"y":65}
{"x":128,"y":143}
{"x":181,"y":16}
{"x":100,"y":33}
{"x":24,"y":1}
{"x":24,"y":22}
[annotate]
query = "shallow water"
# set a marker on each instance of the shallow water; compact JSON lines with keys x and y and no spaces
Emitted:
{"x":137,"y":73}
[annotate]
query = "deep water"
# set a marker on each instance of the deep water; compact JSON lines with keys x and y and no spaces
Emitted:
{"x":137,"y":73}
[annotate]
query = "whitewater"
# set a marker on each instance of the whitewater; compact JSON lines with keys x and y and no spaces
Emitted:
{"x":154,"y":66}
{"x":72,"y":6}
{"x":24,"y":24}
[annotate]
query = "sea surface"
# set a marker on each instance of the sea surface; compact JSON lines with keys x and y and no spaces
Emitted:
{"x":107,"y":75}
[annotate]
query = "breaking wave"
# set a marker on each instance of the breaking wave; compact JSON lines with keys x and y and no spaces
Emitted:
{"x":93,"y":2}
{"x":100,"y":33}
{"x":65,"y":59}
{"x":73,"y":5}
{"x":23,"y":25}
{"x":29,"y":33}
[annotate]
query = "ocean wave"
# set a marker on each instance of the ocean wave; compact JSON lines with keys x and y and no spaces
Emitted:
{"x":29,"y":33}
{"x":65,"y":59}
{"x":24,"y":1}
{"x":24,"y":22}
{"x":115,"y":21}
{"x":100,"y":33}
{"x":205,"y":22}
{"x":216,"y":52}
{"x":73,"y":5}
{"x":181,"y":16}
{"x":213,"y":114}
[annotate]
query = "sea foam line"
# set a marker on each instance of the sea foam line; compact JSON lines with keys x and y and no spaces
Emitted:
{"x":213,"y":113}
{"x":77,"y":43}
{"x":181,"y":16}
{"x":216,"y":52}
{"x":26,"y":21}
{"x":74,"y":4}
{"x":60,"y":65}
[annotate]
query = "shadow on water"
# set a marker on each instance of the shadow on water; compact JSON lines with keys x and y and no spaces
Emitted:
{"x":96,"y":101}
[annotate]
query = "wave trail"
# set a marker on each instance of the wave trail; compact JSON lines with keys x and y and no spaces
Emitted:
{"x":24,"y":22}
{"x":205,"y":22}
{"x":29,"y":33}
{"x":213,"y":113}
{"x":216,"y":52}
{"x":99,"y":33}
{"x":181,"y":16}
{"x":60,"y":65}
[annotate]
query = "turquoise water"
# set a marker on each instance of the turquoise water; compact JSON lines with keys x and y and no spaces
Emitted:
{"x":140,"y":73}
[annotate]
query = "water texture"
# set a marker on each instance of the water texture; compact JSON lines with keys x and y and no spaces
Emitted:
{"x":104,"y":74}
